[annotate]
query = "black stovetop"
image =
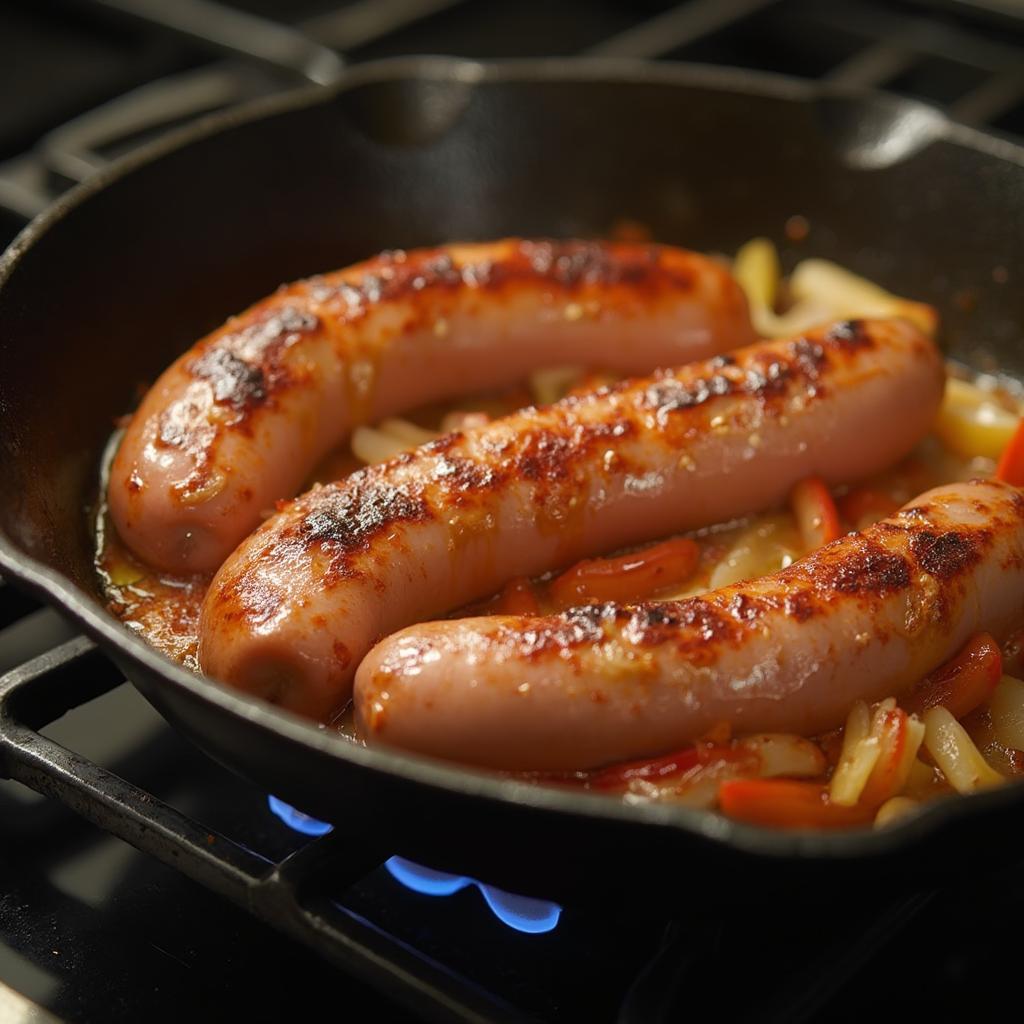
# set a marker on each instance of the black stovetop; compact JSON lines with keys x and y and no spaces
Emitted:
{"x":94,"y":930}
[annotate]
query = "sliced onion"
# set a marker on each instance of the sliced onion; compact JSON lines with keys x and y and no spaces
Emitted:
{"x":410,"y":433}
{"x":548,"y":386}
{"x":757,"y":270}
{"x":955,"y":753}
{"x":378,"y":444}
{"x":973,"y":422}
{"x":783,"y":754}
{"x":463,"y":419}
{"x":766,"y":546}
{"x":857,"y":759}
{"x":1007,"y":710}
{"x":849,"y":295}
{"x":894,"y":809}
{"x":372,"y":446}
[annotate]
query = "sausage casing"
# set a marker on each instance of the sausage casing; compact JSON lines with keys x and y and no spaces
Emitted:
{"x":297,"y":606}
{"x":863,"y":618}
{"x":242,"y":419}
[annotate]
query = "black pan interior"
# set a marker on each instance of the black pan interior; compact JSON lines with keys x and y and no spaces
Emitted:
{"x":102,"y":293}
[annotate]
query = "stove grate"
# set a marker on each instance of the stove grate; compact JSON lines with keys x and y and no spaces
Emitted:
{"x":952,"y":58}
{"x":292,"y":895}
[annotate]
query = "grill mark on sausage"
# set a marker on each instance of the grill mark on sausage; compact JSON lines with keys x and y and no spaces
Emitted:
{"x":573,"y":265}
{"x":851,"y":334}
{"x":552,"y":449}
{"x":345,"y":518}
{"x":235,"y":382}
{"x":800,"y":605}
{"x":949,"y":554}
{"x":244,"y":363}
{"x":575,"y":628}
{"x":570,"y":266}
{"x":861,"y":567}
{"x":802,"y":365}
{"x":690,"y":625}
{"x":245,"y":366}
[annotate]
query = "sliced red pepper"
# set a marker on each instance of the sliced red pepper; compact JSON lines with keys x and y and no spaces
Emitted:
{"x":628,"y":578}
{"x":1011,"y":464}
{"x":517,"y":598}
{"x":786,"y":803}
{"x":863,"y":503}
{"x":962,"y":683}
{"x":816,"y":513}
{"x":884,"y":780}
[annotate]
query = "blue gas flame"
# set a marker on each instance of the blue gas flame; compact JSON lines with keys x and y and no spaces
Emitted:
{"x":523,"y":913}
{"x":297,"y":820}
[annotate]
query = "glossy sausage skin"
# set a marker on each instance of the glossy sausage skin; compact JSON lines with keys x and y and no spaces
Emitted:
{"x":242,"y":419}
{"x":297,"y":606}
{"x":862,"y":618}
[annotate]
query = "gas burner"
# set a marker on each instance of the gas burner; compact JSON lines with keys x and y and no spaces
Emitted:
{"x":520,"y":913}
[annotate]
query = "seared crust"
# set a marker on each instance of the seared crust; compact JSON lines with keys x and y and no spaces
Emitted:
{"x":449,"y":522}
{"x":864,"y":617}
{"x":245,"y":360}
{"x":553,"y":450}
{"x":899,"y":556}
{"x":302,"y":367}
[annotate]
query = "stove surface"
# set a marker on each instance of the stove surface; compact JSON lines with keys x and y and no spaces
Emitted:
{"x":94,"y":930}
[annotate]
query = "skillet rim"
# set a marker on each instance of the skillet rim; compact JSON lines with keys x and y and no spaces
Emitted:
{"x":57,"y":590}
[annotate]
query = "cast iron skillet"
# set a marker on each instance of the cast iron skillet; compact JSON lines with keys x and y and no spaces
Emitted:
{"x":106,"y":287}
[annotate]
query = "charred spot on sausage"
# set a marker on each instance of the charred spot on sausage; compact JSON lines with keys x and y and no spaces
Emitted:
{"x":864,"y":567}
{"x":346,"y":519}
{"x":244,"y":366}
{"x":849,"y":335}
{"x":234,"y":381}
{"x":944,"y":554}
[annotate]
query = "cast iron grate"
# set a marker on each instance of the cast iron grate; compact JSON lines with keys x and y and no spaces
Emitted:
{"x":955,"y":55}
{"x":298,"y":895}
{"x":284,"y":894}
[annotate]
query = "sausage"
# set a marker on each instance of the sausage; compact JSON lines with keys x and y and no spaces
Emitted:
{"x":293,"y":611}
{"x":242,"y":418}
{"x":862,"y":618}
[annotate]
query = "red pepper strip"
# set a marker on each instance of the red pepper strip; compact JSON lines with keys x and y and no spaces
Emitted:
{"x":627,"y":578}
{"x":816,"y":513}
{"x":619,"y":776}
{"x":884,"y":780}
{"x":1011,"y":464}
{"x":962,"y":683}
{"x":863,"y":502}
{"x":516,"y":598}
{"x":787,"y":803}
